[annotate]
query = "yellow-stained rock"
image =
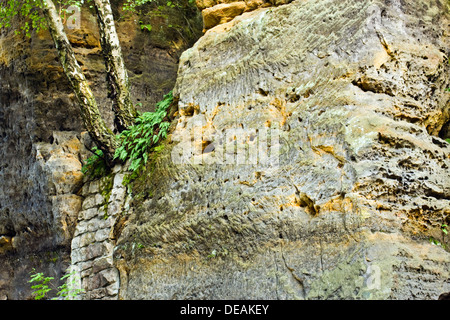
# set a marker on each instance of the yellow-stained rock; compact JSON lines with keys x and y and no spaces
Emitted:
{"x":6,"y":244}
{"x":222,"y":13}
{"x":203,"y":4}
{"x":216,"y":12}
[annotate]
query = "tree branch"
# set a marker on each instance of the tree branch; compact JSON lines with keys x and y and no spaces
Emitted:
{"x":100,"y":133}
{"x":116,"y":72}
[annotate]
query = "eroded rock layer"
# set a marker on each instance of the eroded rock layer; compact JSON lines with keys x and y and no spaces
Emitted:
{"x":307,"y":161}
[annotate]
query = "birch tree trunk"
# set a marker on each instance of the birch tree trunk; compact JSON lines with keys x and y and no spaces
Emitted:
{"x":116,"y":72}
{"x":91,"y":116}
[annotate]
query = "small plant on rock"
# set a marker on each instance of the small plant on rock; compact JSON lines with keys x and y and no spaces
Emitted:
{"x":149,"y":129}
{"x":41,"y":287}
{"x":67,"y":291}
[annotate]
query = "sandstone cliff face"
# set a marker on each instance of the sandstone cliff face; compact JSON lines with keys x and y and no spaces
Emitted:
{"x":344,"y":105}
{"x":42,"y":139}
{"x":307,"y":159}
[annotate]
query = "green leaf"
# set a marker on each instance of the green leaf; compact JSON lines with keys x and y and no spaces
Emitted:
{"x":123,"y":155}
{"x":138,"y":139}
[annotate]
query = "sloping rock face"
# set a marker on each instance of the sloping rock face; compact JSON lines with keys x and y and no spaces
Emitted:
{"x":307,"y":161}
{"x":42,"y":138}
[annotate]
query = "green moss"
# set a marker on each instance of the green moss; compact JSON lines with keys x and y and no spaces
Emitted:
{"x":141,"y":184}
{"x":52,"y":256}
{"x":106,"y":186}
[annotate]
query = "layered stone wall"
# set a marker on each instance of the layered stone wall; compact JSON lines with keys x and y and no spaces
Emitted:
{"x":105,"y":201}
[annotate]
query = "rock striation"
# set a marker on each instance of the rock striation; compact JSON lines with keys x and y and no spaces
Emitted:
{"x":307,"y":160}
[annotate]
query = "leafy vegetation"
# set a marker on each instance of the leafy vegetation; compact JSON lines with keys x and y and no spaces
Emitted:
{"x":65,"y":292}
{"x":31,"y":10}
{"x":170,"y":20}
{"x":133,"y":5}
{"x":149,"y":129}
{"x":444,"y":229}
{"x":41,"y":288}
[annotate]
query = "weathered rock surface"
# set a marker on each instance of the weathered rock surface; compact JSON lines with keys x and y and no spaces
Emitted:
{"x":42,"y":139}
{"x":307,"y":161}
{"x":215,"y":12}
{"x":218,"y":12}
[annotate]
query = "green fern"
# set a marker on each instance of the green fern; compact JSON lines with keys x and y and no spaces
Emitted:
{"x":67,"y":291}
{"x":149,"y":129}
{"x":41,"y":288}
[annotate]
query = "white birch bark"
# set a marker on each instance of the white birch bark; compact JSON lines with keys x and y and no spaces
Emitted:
{"x":91,"y":116}
{"x":117,"y":74}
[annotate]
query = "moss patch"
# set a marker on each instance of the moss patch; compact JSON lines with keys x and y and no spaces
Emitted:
{"x":140,"y":183}
{"x":105,"y":189}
